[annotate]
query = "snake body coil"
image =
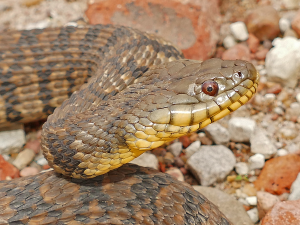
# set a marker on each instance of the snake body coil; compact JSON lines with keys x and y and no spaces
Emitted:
{"x":141,"y":93}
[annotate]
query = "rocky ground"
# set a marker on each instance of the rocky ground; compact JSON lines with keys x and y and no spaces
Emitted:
{"x":247,"y":163}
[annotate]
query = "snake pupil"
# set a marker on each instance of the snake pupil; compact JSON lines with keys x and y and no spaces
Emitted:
{"x":210,"y":88}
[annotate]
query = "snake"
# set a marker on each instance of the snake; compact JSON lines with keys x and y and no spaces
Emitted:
{"x":109,"y":94}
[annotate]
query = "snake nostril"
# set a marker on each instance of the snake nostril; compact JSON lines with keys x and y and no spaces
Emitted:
{"x":240,"y":74}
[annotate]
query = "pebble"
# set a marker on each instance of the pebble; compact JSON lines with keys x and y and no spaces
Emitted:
{"x":249,"y":189}
{"x":192,"y":149}
{"x":11,"y":141}
{"x":41,"y":160}
{"x":269,"y":98}
{"x":253,"y":214}
{"x":29,"y":171}
{"x":24,"y":158}
{"x":240,"y":129}
{"x":256,"y":161}
{"x":261,"y":54}
{"x":242,"y":168}
{"x":211,"y":163}
{"x":253,"y":43}
{"x":265,"y":201}
{"x":239,"y":31}
{"x":282,"y":152}
{"x":261,"y":144}
{"x":290,"y":33}
{"x":229,"y":41}
{"x":7,"y":170}
{"x":252,"y":200}
{"x":169,"y":158}
{"x":227,"y":204}
{"x":217,"y":133}
{"x":175,"y":148}
{"x":284,"y":24}
{"x":296,"y":23}
{"x":239,"y":51}
{"x":146,"y":160}
{"x":175,"y":172}
{"x":298,"y":97}
{"x":282,"y":61}
{"x":295,"y":189}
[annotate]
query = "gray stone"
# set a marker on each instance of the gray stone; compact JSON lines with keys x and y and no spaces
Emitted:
{"x":12,"y":140}
{"x":227,"y":204}
{"x":240,"y":129}
{"x":192,"y":149}
{"x":217,"y":133}
{"x":24,"y":158}
{"x":211,"y":163}
{"x":239,"y":31}
{"x":261,"y":144}
{"x":256,"y":161}
{"x":253,"y":214}
{"x":295,"y":189}
{"x":175,"y":148}
{"x":146,"y":160}
{"x":242,"y":168}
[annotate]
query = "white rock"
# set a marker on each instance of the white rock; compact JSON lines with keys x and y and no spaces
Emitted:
{"x":229,"y":42}
{"x":24,"y":158}
{"x":217,"y":133}
{"x":175,"y":148}
{"x":175,"y":172}
{"x":192,"y":149}
{"x":260,"y":143}
{"x":284,"y":24}
{"x":240,"y":129}
{"x":211,"y":163}
{"x":239,"y":31}
{"x":282,"y":152}
{"x":256,"y":161}
{"x":295,"y":189}
{"x":11,"y":141}
{"x":298,"y":97}
{"x":270,"y":98}
{"x":283,"y":61}
{"x":253,"y":214}
{"x":146,"y":160}
{"x":242,"y":168}
{"x":278,"y":110}
{"x":252,"y":200}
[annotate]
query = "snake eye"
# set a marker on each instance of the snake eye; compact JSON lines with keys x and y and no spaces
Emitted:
{"x":210,"y":88}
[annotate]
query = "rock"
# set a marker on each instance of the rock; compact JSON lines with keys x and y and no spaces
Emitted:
{"x":290,"y":33}
{"x":265,"y":201}
{"x":175,"y":148}
{"x":288,"y":130}
{"x":146,"y":160}
{"x":295,"y":189}
{"x":169,"y":158}
{"x":7,"y":170}
{"x":24,"y":158}
{"x":29,"y":171}
{"x":238,"y":51}
{"x":239,"y":31}
{"x":261,"y":144}
{"x":263,"y":22}
{"x":253,"y":214}
{"x":35,"y":145}
{"x":204,"y":139}
{"x":211,"y":164}
{"x":217,"y":133}
{"x":227,"y":204}
{"x":185,"y":141}
{"x":296,"y":23}
{"x":283,"y":68}
{"x":256,"y":161}
{"x":192,"y":149}
{"x":12,"y":140}
{"x":229,"y":42}
{"x":175,"y":172}
{"x":282,"y":152}
{"x":261,"y":54}
{"x":252,"y":200}
{"x":242,"y":168}
{"x":284,"y":24}
{"x":278,"y":174}
{"x":240,"y":129}
{"x":253,"y":43}
{"x":249,"y":189}
{"x":283,"y":213}
{"x":179,"y":162}
{"x":193,"y":25}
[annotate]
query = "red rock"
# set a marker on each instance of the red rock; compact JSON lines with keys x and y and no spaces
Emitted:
{"x":253,"y":43}
{"x":263,"y":22}
{"x":278,"y":174}
{"x":296,"y":23}
{"x":7,"y":169}
{"x":34,"y":145}
{"x":283,"y":213}
{"x":162,"y":167}
{"x":46,"y":167}
{"x":261,"y":54}
{"x":193,"y":26}
{"x":239,"y":51}
{"x":29,"y":171}
{"x":185,"y":140}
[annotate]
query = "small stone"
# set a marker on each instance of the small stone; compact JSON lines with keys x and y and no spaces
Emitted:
{"x":261,"y":144}
{"x":296,"y":23}
{"x":41,"y":160}
{"x":179,"y":162}
{"x":265,"y":201}
{"x":29,"y":171}
{"x":240,"y":129}
{"x":278,"y":110}
{"x":256,"y":161}
{"x":175,"y":148}
{"x":249,"y":189}
{"x":192,"y":149}
{"x":295,"y":189}
{"x":290,"y":33}
{"x":217,"y":133}
{"x":270,"y":98}
{"x":204,"y":140}
{"x":261,"y":54}
{"x":229,"y":42}
{"x":298,"y":97}
{"x":284,"y":24}
{"x":185,"y":141}
{"x":7,"y":170}
{"x":11,"y":141}
{"x":253,"y":43}
{"x":241,"y":168}
{"x":35,"y":145}
{"x":176,"y":173}
{"x":253,"y":214}
{"x":169,"y":158}
{"x":24,"y":158}
{"x":239,"y":51}
{"x":252,"y":200}
{"x":276,"y":88}
{"x":239,"y":31}
{"x":282,"y":152}
{"x":211,"y":163}
{"x":146,"y":160}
